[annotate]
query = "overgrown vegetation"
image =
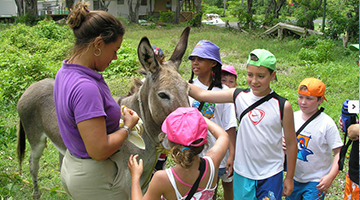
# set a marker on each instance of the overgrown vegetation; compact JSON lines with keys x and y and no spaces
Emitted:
{"x":29,"y":54}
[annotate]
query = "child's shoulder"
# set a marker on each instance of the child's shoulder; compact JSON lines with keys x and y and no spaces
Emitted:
{"x":239,"y":90}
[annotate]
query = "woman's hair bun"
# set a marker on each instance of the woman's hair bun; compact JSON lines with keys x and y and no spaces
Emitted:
{"x":78,"y":14}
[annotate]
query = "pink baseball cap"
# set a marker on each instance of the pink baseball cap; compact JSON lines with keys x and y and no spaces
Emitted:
{"x":230,"y":69}
{"x":184,"y":126}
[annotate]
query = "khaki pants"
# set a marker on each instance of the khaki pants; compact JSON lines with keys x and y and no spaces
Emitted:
{"x":90,"y":179}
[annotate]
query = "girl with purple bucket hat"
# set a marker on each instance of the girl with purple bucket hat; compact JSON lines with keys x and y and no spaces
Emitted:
{"x":186,"y":131}
{"x":206,"y":65}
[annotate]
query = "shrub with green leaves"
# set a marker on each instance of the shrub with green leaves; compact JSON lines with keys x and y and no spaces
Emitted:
{"x":322,"y":52}
{"x":29,"y":54}
{"x":166,"y":17}
{"x":126,"y":64}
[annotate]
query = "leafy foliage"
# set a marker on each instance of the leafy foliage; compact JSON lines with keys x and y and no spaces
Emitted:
{"x":29,"y":54}
{"x":343,"y":17}
{"x":166,"y":17}
{"x":322,"y":52}
{"x":212,"y":9}
{"x":126,"y":64}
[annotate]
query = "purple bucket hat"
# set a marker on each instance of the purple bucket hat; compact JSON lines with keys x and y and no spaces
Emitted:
{"x":206,"y":49}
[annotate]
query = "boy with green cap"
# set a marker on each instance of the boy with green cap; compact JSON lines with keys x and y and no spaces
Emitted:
{"x":259,"y":158}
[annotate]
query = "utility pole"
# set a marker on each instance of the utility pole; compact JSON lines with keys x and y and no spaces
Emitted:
{"x":324,"y":15}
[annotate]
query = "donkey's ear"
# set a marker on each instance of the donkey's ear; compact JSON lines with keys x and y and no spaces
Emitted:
{"x":147,"y":56}
{"x":180,"y":48}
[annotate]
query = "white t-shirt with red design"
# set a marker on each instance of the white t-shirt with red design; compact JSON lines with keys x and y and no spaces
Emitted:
{"x":258,"y":153}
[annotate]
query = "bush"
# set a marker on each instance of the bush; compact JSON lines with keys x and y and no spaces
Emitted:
{"x":196,"y":21}
{"x":213,"y":10}
{"x":167,"y":17}
{"x":322,"y":52}
{"x":126,"y":64}
{"x":29,"y":54}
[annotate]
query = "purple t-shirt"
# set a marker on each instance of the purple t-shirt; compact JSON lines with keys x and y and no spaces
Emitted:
{"x":80,"y":94}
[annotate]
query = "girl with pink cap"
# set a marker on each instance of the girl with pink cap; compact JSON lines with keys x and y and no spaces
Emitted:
{"x":186,"y":131}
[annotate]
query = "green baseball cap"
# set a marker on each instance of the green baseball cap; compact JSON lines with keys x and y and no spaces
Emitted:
{"x":265,"y":59}
{"x":354,"y":47}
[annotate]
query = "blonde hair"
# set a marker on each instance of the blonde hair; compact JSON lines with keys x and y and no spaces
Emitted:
{"x":184,"y":156}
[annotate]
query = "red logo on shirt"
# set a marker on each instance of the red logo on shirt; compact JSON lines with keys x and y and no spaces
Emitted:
{"x":256,"y":115}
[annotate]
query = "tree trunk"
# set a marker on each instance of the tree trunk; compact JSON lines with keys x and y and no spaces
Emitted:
{"x":20,"y":7}
{"x":69,"y":3}
{"x":269,"y":9}
{"x":224,"y":8}
{"x":137,"y":8}
{"x":199,"y":13}
{"x":250,"y":13}
{"x":278,"y":7}
{"x":31,"y":8}
{"x":104,"y":6}
{"x":177,"y":11}
{"x":133,"y":15}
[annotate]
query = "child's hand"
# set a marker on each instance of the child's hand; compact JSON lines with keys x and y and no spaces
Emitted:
{"x":288,"y":186}
{"x":135,"y":168}
{"x":324,"y":183}
{"x":353,"y":132}
{"x":130,"y":117}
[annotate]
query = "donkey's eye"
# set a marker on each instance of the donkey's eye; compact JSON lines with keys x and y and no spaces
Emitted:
{"x":163,"y":95}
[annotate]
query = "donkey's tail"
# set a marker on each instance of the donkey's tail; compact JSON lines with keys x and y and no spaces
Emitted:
{"x":21,"y":145}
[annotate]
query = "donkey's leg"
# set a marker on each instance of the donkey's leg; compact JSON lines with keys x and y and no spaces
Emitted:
{"x":37,"y":148}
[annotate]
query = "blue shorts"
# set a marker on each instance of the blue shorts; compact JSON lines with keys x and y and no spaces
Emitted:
{"x":306,"y":191}
{"x":270,"y":188}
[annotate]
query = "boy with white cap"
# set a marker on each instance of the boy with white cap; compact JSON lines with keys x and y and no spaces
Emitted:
{"x":258,"y":164}
{"x":315,"y":167}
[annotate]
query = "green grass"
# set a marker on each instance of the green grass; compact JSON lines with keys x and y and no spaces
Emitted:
{"x":340,"y":75}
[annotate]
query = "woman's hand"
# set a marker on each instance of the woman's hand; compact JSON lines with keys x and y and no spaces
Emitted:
{"x":130,"y":117}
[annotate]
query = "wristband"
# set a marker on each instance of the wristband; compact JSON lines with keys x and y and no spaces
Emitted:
{"x":126,"y":128}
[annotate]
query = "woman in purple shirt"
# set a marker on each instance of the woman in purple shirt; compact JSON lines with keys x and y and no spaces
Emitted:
{"x":87,"y":114}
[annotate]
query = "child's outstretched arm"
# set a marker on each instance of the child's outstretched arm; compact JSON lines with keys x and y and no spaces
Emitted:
{"x":326,"y":181}
{"x":136,"y":170}
{"x":220,"y":96}
{"x":291,"y":148}
{"x":217,"y":152}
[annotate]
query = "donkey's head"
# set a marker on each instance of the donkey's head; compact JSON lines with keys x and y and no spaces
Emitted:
{"x":166,"y":90}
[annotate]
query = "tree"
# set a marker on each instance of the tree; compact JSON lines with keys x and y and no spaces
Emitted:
{"x":308,"y":12}
{"x":28,"y":7}
{"x":69,"y":3}
{"x":134,"y":15}
{"x":274,"y":8}
{"x":178,"y":7}
{"x":249,"y":19}
{"x":224,"y":7}
{"x":343,"y":20}
{"x":198,"y":14}
{"x":103,"y":5}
